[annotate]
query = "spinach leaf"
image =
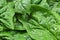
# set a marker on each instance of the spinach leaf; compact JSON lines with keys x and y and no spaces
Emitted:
{"x":22,"y":6}
{"x":29,"y":19}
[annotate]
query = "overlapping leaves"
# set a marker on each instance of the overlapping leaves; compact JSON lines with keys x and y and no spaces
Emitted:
{"x":29,"y":20}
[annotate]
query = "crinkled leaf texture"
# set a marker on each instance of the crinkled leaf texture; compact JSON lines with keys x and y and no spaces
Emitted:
{"x":29,"y":19}
{"x":6,"y":16}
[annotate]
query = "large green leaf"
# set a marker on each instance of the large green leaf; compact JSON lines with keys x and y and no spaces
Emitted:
{"x":38,"y":34}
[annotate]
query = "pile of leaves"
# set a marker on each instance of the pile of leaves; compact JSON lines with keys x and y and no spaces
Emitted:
{"x":29,"y":19}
